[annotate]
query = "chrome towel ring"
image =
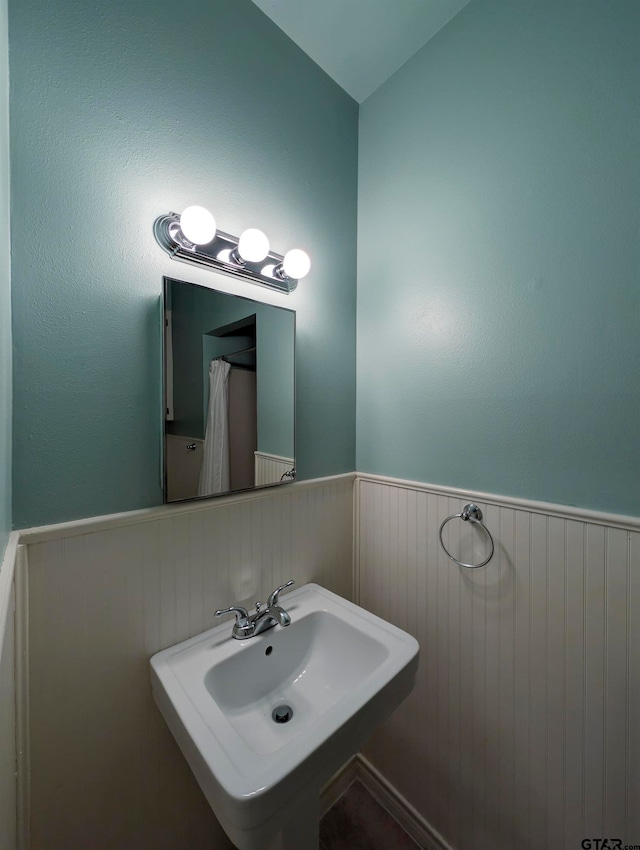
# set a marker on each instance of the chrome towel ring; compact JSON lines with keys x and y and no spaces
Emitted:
{"x":470,"y":513}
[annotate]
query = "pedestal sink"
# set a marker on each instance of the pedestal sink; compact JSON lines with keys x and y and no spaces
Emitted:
{"x":265,"y":722}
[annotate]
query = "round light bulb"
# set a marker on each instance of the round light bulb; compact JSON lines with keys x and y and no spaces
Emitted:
{"x":296,"y":264}
{"x":198,"y":225}
{"x":253,"y":245}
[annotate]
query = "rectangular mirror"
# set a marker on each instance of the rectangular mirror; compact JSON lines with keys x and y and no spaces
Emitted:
{"x":229,"y":389}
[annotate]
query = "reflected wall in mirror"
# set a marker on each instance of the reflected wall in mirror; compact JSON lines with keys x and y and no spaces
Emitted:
{"x":229,"y":378}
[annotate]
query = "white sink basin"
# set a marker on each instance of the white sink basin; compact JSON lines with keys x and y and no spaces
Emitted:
{"x":339,"y":668}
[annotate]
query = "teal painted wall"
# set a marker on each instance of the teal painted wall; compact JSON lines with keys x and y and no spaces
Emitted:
{"x":499,"y":327}
{"x":276,"y":383}
{"x":5,"y":289}
{"x":120,"y":113}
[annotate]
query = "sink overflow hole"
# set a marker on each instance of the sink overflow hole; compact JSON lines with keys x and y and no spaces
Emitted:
{"x":268,"y":650}
{"x":282,"y":713}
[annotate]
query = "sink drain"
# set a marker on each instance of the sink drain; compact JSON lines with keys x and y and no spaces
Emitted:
{"x":282,"y":714}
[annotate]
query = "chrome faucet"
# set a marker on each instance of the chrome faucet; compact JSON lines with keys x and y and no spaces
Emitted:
{"x":249,"y":625}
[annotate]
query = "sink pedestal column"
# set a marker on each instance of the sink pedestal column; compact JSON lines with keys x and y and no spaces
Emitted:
{"x":301,"y":830}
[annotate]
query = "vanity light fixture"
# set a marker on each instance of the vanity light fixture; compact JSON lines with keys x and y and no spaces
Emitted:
{"x":193,"y":238}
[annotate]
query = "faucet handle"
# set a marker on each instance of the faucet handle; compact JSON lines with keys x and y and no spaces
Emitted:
{"x":241,"y":614}
{"x":243,"y":627}
{"x":273,"y":599}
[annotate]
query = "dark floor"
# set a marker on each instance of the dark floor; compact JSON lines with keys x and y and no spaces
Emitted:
{"x":357,"y":822}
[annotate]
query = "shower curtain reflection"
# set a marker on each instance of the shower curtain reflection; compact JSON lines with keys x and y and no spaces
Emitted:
{"x":214,"y":474}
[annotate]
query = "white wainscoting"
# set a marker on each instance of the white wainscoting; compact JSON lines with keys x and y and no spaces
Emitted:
{"x":524,"y":727}
{"x":523,"y":730}
{"x":104,"y":595}
{"x":269,"y":469}
{"x":8,"y":795}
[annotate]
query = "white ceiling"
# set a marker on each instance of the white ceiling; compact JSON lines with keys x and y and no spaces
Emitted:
{"x":360,"y":43}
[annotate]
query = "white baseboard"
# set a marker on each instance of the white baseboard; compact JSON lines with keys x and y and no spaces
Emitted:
{"x":425,"y":836}
{"x":338,"y":785}
{"x":361,"y":770}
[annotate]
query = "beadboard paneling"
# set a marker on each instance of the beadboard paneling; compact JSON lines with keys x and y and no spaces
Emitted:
{"x":105,"y":771}
{"x":523,"y":730}
{"x":8,"y":822}
{"x":8,"y":734}
{"x":269,"y":469}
